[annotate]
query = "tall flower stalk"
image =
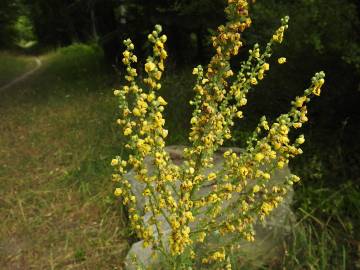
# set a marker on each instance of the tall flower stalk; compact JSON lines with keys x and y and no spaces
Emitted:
{"x":233,"y":204}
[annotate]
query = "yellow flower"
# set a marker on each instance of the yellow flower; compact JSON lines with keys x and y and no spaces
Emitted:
{"x":279,"y":35}
{"x":201,"y":236}
{"x":211,"y":176}
{"x":218,"y":256}
{"x":189,"y":216}
{"x":127,"y":131}
{"x":163,"y":55}
{"x":159,"y":44}
{"x":116,"y":177}
{"x":114,"y":162}
{"x":229,"y":73}
{"x":150,"y":97}
{"x":300,"y":140}
{"x":248,"y":20}
{"x":297,"y":125}
{"x":317,"y":89}
{"x":256,"y":189}
{"x":243,"y":101}
{"x":282,"y":60}
{"x":161,"y":101}
{"x":243,"y":171}
{"x":295,"y":178}
{"x":163,"y":38}
{"x":284,"y":130}
{"x":280,"y":164}
{"x":158,"y":75}
{"x":300,"y":101}
{"x":164,"y":133}
{"x":259,"y":157}
{"x":149,"y":66}
{"x":266,"y":208}
{"x":136,"y":112}
{"x":118,"y":192}
{"x":126,"y":54}
{"x":253,"y":81}
{"x":261,"y":74}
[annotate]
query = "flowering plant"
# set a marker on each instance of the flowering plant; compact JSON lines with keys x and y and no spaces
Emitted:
{"x":171,"y":191}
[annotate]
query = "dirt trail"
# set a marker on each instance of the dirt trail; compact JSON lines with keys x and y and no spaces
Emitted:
{"x":23,"y":76}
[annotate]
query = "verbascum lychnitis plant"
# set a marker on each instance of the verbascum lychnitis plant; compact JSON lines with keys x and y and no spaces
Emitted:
{"x":171,"y":190}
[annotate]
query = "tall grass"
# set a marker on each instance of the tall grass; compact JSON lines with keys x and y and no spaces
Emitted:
{"x":325,"y":235}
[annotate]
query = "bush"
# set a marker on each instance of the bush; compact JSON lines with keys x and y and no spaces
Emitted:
{"x":171,"y":191}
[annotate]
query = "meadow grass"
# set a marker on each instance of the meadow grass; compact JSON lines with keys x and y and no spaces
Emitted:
{"x":13,"y":65}
{"x":56,"y":206}
{"x":57,"y":137}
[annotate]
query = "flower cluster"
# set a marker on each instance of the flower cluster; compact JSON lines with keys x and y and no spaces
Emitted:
{"x":235,"y":200}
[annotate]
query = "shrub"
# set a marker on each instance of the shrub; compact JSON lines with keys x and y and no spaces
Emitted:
{"x":171,"y":190}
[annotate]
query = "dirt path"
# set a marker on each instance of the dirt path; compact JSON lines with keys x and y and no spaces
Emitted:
{"x":23,"y":76}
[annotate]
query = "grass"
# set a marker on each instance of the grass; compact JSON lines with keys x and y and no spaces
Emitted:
{"x":13,"y":66}
{"x":56,"y":141}
{"x":57,"y":136}
{"x":312,"y":247}
{"x":325,"y":235}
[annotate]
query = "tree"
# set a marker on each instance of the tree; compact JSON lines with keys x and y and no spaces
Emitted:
{"x":9,"y":12}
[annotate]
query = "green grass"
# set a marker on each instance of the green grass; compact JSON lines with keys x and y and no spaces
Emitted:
{"x":45,"y":206}
{"x":315,"y":247}
{"x":12,"y":66}
{"x":57,"y":136}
